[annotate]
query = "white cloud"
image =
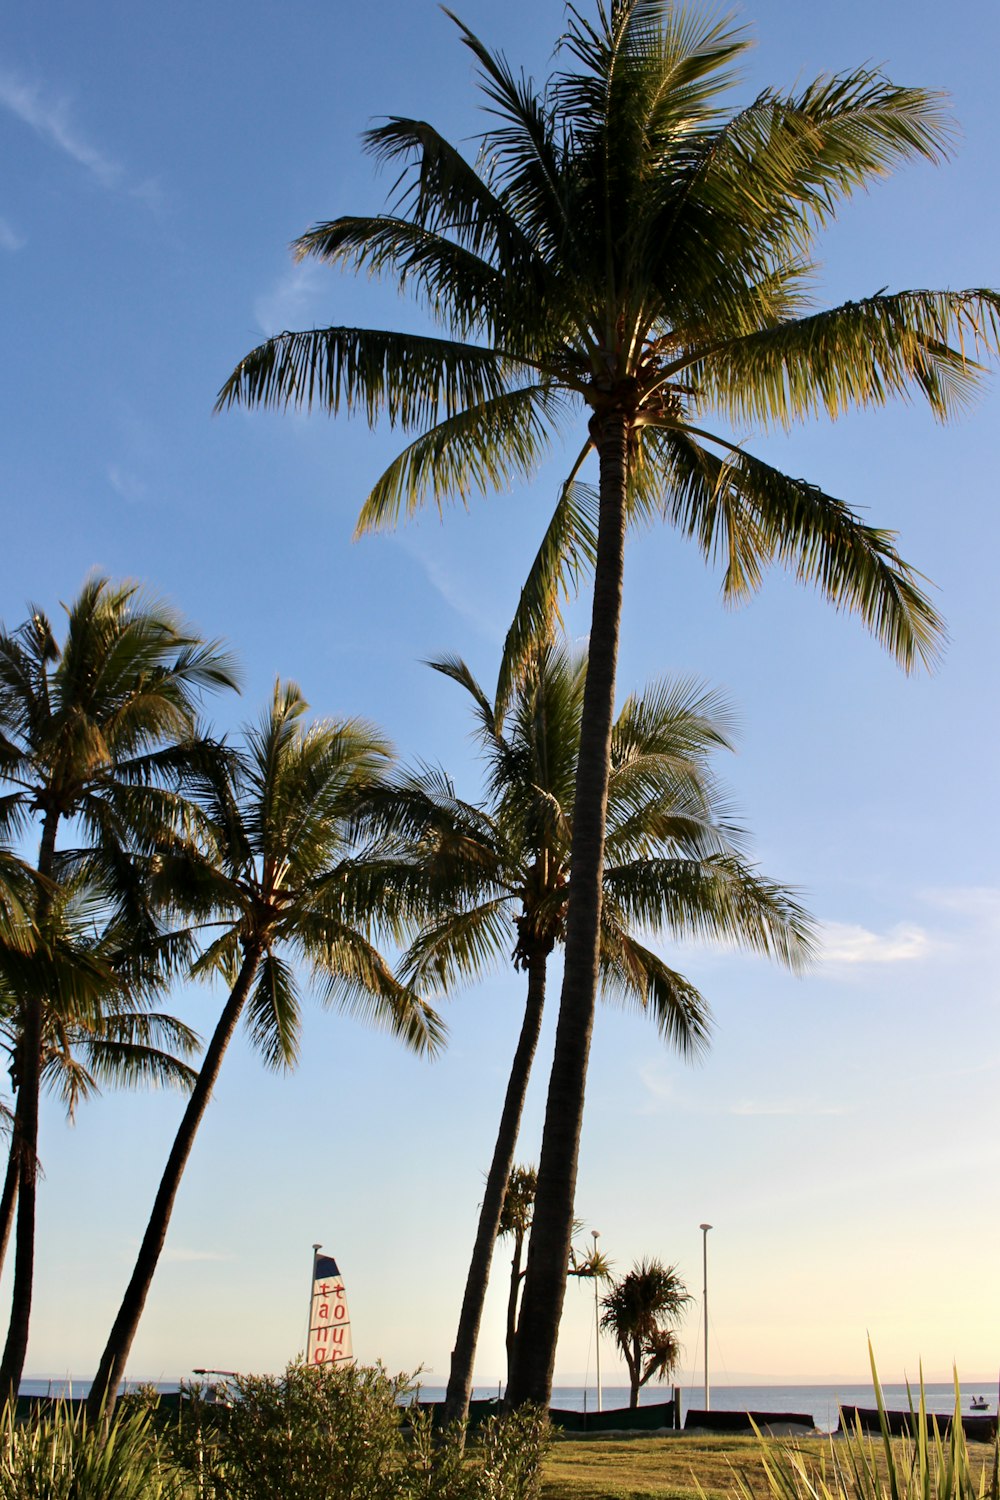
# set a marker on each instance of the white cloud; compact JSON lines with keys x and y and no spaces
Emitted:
{"x":849,"y":943}
{"x":9,"y":238}
{"x":288,"y":303}
{"x":129,"y":486}
{"x":50,"y":118}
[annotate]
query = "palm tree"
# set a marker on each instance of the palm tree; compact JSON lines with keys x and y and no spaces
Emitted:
{"x":639,"y":1311}
{"x":97,"y":1026}
{"x":671,"y":864}
{"x":515,"y":1224}
{"x":95,"y":733}
{"x":282,"y":877}
{"x":627,"y":252}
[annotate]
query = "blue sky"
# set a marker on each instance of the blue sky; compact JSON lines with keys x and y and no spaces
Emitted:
{"x":841,"y":1134}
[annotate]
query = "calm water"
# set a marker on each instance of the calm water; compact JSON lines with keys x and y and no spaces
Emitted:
{"x":821,"y":1402}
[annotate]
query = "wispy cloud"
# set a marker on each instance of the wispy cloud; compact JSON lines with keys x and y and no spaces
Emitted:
{"x":129,"y":486}
{"x":52,"y":119}
{"x":9,"y":238}
{"x":785,"y":1107}
{"x":293,"y":300}
{"x":847,"y":943}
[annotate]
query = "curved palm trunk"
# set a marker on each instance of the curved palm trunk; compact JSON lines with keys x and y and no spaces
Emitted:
{"x":552,"y":1227}
{"x":463,"y":1356}
{"x":104,"y":1391}
{"x":26,"y":1137}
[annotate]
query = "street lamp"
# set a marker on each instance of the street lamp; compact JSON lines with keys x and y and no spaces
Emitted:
{"x":704,"y":1265}
{"x":597,"y":1321}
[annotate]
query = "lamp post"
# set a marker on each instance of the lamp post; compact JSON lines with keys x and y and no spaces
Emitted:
{"x":597,"y":1321}
{"x":704,"y":1266}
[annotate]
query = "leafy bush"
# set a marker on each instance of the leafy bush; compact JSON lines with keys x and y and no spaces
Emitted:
{"x":56,"y":1455}
{"x":338,"y":1433}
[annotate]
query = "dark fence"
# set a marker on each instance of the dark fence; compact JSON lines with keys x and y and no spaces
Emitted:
{"x":902,"y":1423}
{"x":745,"y":1421}
{"x":651,"y":1418}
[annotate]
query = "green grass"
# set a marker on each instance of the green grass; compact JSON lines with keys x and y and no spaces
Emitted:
{"x":688,"y":1468}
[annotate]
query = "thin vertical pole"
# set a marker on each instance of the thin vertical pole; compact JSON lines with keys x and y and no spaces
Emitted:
{"x":704,"y":1266}
{"x":312,"y":1283}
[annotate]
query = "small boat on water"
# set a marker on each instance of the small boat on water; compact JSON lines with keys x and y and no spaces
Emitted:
{"x":979,"y":1403}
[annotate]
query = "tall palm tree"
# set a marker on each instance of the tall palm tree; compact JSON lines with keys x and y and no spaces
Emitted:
{"x":627,"y":252}
{"x":640,"y":1311}
{"x":280,"y":872}
{"x":95,"y":734}
{"x":671,"y":864}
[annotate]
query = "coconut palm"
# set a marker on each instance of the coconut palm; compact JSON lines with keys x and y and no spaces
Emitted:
{"x":672,"y":864}
{"x":640,"y":1311}
{"x":280,"y":873}
{"x":96,"y":989}
{"x":628,"y":252}
{"x":95,"y":735}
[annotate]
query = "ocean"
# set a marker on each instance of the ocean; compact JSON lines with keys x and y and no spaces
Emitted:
{"x":821,"y":1402}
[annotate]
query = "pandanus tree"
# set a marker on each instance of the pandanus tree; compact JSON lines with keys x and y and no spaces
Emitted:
{"x":640,"y":1311}
{"x":276,"y":866}
{"x":627,"y":250}
{"x":672,"y":864}
{"x":96,"y":734}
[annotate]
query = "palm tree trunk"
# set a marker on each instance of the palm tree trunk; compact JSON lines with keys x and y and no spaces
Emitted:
{"x":29,"y":1087}
{"x":456,"y":1406}
{"x":8,"y":1198}
{"x":516,"y":1277}
{"x":552,"y":1228}
{"x":104,"y":1391}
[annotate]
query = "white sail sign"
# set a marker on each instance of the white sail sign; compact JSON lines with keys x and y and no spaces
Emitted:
{"x":329,"y":1320}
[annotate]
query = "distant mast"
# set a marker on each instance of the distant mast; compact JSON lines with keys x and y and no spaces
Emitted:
{"x":329,"y":1340}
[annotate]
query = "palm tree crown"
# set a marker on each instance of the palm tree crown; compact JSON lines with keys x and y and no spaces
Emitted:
{"x":96,"y":732}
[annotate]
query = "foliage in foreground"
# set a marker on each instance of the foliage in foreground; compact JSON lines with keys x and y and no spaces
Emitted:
{"x":58,"y":1455}
{"x":929,"y":1464}
{"x":340,"y":1432}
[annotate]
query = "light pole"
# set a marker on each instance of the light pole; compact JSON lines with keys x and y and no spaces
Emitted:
{"x":704,"y":1266}
{"x":597,"y":1321}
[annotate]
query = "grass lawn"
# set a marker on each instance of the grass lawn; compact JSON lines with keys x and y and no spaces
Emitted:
{"x":673,"y":1468}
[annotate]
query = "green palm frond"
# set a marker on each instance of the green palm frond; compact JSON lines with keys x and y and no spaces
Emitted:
{"x":861,"y":354}
{"x":634,"y":975}
{"x":717,"y":899}
{"x":273,"y":1013}
{"x":750,"y":515}
{"x":487,"y":445}
{"x":413,"y":380}
{"x":568,"y":549}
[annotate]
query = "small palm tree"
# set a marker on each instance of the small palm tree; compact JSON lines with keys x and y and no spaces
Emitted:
{"x":279,"y":871}
{"x":515,"y":1224}
{"x":95,"y":733}
{"x":628,"y":254}
{"x":640,"y":1311}
{"x":672,"y":864}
